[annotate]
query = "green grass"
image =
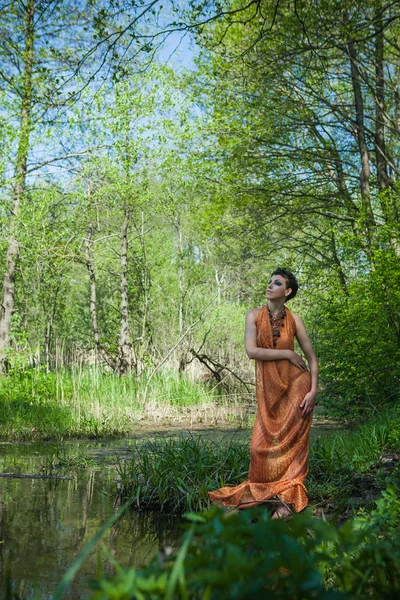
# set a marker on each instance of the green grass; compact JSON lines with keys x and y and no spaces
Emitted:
{"x":175,"y":475}
{"x":340,"y":462}
{"x":91,"y":402}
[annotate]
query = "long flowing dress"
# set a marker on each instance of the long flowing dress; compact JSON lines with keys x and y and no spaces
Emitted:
{"x":280,"y":440}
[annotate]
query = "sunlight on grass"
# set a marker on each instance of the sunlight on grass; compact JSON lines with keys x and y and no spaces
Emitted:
{"x":93,"y":402}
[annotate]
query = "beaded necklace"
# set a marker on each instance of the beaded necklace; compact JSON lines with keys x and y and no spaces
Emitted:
{"x":277,"y":321}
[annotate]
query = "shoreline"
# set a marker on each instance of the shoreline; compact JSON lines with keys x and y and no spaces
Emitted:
{"x":143,"y":426}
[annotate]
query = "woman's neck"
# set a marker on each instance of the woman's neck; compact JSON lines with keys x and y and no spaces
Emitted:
{"x":275,"y":307}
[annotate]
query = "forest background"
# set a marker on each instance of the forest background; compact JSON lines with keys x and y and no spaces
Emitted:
{"x":144,"y":206}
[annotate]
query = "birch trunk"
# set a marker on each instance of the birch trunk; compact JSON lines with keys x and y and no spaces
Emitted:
{"x":125,"y":345}
{"x":93,"y":302}
{"x":183,"y":359}
{"x":145,"y":335}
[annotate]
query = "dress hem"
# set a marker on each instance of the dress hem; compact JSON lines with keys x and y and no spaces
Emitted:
{"x":249,"y":494}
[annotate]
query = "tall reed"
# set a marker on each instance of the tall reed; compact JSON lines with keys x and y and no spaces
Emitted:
{"x":174,"y":475}
{"x":91,"y":401}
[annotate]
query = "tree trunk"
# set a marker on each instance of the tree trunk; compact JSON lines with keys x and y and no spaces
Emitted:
{"x":180,"y":280}
{"x":49,"y":330}
{"x":145,"y":334}
{"x":337,"y":175}
{"x":388,"y":200}
{"x":47,"y":344}
{"x":365,"y":173}
{"x":93,"y":302}
{"x":380,"y":143}
{"x":7,"y":305}
{"x":125,"y":345}
{"x":397,"y":105}
{"x":336,"y":260}
{"x":219,"y":280}
{"x":183,"y":358}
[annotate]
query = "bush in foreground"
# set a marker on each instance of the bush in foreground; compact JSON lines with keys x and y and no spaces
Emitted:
{"x":247,"y":555}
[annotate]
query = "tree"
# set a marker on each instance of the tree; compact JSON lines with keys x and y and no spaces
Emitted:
{"x":298,"y":143}
{"x":302,"y":132}
{"x":35,"y":68}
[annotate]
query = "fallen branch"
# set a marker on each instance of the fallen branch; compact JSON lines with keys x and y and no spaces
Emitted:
{"x":165,"y":359}
{"x":209,"y":362}
{"x":25,"y":476}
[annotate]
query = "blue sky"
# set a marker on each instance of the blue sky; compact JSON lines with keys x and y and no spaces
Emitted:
{"x":178,"y":50}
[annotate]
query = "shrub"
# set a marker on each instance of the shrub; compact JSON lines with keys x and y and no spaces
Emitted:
{"x":247,"y":555}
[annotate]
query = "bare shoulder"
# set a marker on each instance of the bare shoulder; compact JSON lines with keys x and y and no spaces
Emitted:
{"x":300,"y":327}
{"x":252,"y":314}
{"x":297,"y":319}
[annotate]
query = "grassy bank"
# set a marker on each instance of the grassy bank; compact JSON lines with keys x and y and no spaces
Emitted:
{"x":90,"y":402}
{"x":349,"y":469}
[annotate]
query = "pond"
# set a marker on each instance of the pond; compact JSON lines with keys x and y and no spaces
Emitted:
{"x":44,"y":523}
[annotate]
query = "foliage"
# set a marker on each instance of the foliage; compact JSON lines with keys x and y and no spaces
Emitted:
{"x":280,"y":148}
{"x":347,"y":467}
{"x":287,"y":159}
{"x":245,"y":554}
{"x":358,"y":343}
{"x":221,"y":178}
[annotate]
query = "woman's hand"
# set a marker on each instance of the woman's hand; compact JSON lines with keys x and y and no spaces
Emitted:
{"x":308,"y":403}
{"x":297,"y":360}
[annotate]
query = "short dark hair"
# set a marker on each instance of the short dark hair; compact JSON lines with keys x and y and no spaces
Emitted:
{"x":291,"y":281}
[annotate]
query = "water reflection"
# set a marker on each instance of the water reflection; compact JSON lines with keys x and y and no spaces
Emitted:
{"x":45,"y":523}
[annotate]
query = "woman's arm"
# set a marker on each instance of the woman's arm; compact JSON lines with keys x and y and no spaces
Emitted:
{"x":253,"y":351}
{"x":305,"y":344}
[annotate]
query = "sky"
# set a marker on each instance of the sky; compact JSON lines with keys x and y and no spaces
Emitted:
{"x":179,"y":51}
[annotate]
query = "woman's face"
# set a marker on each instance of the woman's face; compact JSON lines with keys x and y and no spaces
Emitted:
{"x":276,"y":289}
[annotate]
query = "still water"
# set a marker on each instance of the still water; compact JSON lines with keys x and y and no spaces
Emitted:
{"x":44,"y":523}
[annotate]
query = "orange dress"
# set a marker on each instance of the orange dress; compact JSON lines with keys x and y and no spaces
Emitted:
{"x":280,"y":440}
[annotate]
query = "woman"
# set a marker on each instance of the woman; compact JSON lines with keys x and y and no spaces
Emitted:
{"x":286,"y":393}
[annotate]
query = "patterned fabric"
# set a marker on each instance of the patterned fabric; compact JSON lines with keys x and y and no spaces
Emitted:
{"x":280,"y":440}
